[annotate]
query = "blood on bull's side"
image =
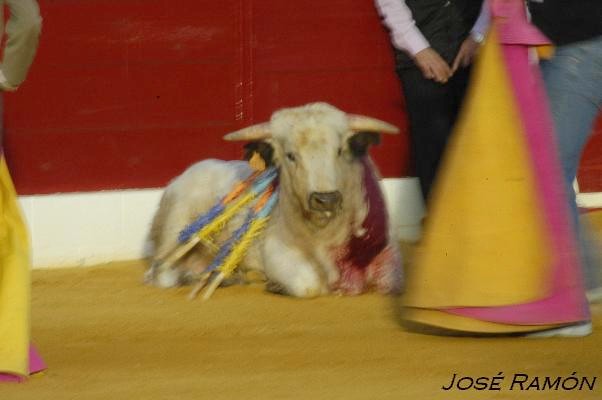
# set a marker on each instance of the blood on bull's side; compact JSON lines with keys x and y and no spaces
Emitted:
{"x":329,"y":230}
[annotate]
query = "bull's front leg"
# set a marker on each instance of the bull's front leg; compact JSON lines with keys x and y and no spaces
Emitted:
{"x":289,"y":269}
{"x":329,"y":267}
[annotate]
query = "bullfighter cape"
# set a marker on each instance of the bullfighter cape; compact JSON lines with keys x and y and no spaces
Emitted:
{"x":498,"y":253}
{"x":17,"y":357}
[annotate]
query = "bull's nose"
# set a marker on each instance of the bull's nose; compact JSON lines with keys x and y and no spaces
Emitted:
{"x":325,"y":201}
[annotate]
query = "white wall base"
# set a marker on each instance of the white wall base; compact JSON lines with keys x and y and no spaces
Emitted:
{"x":589,"y":200}
{"x":81,"y":229}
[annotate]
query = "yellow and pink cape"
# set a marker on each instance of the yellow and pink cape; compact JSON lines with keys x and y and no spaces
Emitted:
{"x":499,"y":253}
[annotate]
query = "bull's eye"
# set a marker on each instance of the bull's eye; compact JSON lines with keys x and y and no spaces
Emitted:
{"x":291,"y":157}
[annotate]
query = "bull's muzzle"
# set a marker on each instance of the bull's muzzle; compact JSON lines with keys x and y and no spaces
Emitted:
{"x":325,"y":201}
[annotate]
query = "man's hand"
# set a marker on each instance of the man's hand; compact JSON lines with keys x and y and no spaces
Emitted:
{"x":466,"y":53}
{"x":432,"y":65}
{"x":4,"y":85}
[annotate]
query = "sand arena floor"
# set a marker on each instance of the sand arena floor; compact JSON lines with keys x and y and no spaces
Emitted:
{"x":106,"y":336}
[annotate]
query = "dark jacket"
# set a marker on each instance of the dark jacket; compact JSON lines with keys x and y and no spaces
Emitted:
{"x":444,"y":23}
{"x":567,"y":21}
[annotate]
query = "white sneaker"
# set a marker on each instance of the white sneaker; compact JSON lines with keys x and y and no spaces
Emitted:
{"x":576,"y":330}
{"x":594,"y":295}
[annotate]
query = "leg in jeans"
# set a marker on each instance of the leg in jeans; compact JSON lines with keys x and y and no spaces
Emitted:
{"x":573,"y":79}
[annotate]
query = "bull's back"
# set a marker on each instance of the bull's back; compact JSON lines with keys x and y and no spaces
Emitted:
{"x":209,"y":179}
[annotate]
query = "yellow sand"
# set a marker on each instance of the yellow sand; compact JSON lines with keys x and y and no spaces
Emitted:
{"x":106,"y":336}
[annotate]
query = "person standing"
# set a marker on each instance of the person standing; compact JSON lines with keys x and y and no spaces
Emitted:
{"x":17,"y":358}
{"x":23,"y":32}
{"x":573,"y":81}
{"x":434,"y":42}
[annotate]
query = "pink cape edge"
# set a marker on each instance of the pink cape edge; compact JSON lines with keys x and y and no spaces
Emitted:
{"x":36,"y":364}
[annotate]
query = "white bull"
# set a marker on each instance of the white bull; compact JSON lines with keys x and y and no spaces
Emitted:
{"x":329,"y":230}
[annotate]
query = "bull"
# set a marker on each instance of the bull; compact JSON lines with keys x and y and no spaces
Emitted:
{"x":329,"y":231}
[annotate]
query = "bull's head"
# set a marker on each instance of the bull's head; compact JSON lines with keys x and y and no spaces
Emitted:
{"x":316,"y":146}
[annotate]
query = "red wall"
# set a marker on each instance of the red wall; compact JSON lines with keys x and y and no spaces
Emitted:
{"x":127,"y":93}
{"x":590,"y":172}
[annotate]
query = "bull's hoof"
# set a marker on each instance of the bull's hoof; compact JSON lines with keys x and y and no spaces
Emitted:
{"x":306,"y":292}
{"x":149,"y":276}
{"x":310,"y":293}
{"x":275,"y":288}
{"x":167,"y":279}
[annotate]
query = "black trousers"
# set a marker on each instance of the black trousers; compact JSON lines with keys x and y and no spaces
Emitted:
{"x":432,"y":109}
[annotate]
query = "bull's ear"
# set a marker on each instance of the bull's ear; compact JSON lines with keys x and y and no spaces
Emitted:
{"x":359,"y":142}
{"x":261,"y":147}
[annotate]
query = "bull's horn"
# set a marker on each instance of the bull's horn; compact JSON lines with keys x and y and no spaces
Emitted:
{"x":366,"y":124}
{"x":255,"y":132}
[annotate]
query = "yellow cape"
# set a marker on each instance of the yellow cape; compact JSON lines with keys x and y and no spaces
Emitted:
{"x":486,"y":241}
{"x":14,"y":281}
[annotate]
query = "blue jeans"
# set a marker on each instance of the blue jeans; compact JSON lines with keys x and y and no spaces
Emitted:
{"x":573,"y":80}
